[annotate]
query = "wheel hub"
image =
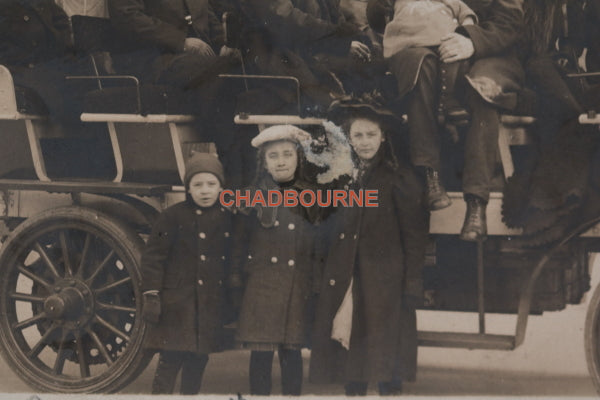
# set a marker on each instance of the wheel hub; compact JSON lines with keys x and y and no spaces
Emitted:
{"x":71,"y":305}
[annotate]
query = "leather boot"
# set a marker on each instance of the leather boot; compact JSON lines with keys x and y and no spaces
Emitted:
{"x":437,"y":198}
{"x":475,"y":225}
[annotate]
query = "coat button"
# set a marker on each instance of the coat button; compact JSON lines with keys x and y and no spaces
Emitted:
{"x":203,"y":257}
{"x":26,"y":18}
{"x":220,"y":283}
{"x":249,"y":257}
{"x":342,"y":236}
{"x":355,"y":236}
{"x":226,"y":234}
{"x":199,"y":212}
{"x":291,"y":227}
{"x":202,"y":235}
{"x":332,"y":282}
{"x":273,"y":260}
{"x":223,"y":257}
{"x":291,"y":263}
{"x":276,"y":223}
{"x":200,"y":282}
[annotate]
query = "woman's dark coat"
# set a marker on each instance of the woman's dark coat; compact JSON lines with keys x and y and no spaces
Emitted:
{"x":186,"y":259}
{"x":495,"y":65}
{"x":274,"y":251}
{"x":383,"y":249}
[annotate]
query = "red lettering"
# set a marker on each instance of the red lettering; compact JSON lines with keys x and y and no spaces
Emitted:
{"x":259,"y":198}
{"x":224,"y":203}
{"x":320,"y":201}
{"x":303,"y":201}
{"x":290,"y":198}
{"x":355,"y":198}
{"x":372,"y":198}
{"x":239,"y":197}
{"x":339,"y":196}
{"x":271,"y":202}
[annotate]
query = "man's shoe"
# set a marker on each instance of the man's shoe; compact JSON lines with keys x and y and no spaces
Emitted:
{"x":475,"y":225}
{"x":437,"y":198}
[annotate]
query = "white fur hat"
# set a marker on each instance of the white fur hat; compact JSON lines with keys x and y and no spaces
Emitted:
{"x":280,"y":132}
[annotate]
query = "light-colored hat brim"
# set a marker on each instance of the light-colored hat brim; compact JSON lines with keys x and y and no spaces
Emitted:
{"x":280,"y":132}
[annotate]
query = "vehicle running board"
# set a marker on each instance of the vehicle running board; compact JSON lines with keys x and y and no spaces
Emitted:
{"x":466,"y":340}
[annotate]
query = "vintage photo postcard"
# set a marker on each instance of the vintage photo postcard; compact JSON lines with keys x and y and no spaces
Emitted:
{"x":322,"y":198}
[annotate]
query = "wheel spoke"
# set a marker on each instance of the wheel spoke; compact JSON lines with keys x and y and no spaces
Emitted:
{"x":113,"y":285}
{"x":111,"y":328}
{"x":84,"y":368}
{"x":46,"y":259}
{"x":114,"y":307}
{"x":27,"y":297}
{"x":34,"y":277}
{"x":28,"y":322}
{"x":100,"y":267}
{"x":86,"y":247}
{"x":65,"y":253}
{"x":39,"y":346}
{"x":100,"y":346}
{"x":59,"y":363}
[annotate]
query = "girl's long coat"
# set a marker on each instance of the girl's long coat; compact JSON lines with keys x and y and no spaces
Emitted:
{"x":275,"y":252}
{"x":496,"y":73}
{"x":383,"y":249}
{"x":185,"y":259}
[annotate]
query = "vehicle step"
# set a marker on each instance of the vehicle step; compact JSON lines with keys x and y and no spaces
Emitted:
{"x":466,"y":340}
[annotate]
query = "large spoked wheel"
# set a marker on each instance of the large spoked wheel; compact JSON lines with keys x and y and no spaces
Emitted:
{"x":592,"y":338}
{"x":70,"y":302}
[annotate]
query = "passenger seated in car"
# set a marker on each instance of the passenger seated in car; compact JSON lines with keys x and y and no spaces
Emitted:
{"x":310,"y":40}
{"x":35,"y":45}
{"x":427,"y":23}
{"x":180,"y":44}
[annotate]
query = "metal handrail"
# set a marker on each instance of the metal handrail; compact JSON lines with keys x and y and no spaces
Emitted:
{"x":272,"y":77}
{"x":135,"y":80}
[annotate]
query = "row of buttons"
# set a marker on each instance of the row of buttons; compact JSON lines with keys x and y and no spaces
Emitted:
{"x":202,"y":235}
{"x":291,"y":226}
{"x":274,"y":260}
{"x":343,"y":236}
{"x":203,"y":257}
{"x":199,"y":212}
{"x":201,"y":282}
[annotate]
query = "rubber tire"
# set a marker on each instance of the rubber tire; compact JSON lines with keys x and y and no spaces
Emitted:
{"x":135,"y":358}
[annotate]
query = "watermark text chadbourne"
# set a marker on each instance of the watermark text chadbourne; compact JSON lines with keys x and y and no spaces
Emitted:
{"x":305,"y":198}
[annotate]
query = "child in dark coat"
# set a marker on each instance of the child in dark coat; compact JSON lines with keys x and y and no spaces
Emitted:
{"x":275,"y":251}
{"x":365,"y":324}
{"x":184,"y":270}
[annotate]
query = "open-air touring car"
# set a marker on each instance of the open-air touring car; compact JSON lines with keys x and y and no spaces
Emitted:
{"x":70,"y":298}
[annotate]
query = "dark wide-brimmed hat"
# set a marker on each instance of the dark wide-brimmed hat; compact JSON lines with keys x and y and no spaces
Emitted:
{"x":368,"y":105}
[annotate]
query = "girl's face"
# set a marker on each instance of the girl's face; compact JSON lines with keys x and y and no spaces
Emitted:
{"x":281,"y":160}
{"x":205,"y":189}
{"x":366,"y":138}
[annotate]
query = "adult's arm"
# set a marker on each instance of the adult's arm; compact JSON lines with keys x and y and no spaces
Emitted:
{"x":281,"y":17}
{"x":130,"y":16}
{"x":497,"y":30}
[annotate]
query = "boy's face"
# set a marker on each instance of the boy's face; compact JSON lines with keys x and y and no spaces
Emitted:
{"x":366,"y":138}
{"x":281,"y":160}
{"x":205,"y":189}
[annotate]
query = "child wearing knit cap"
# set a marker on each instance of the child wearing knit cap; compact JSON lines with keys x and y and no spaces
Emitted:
{"x":185,"y":278}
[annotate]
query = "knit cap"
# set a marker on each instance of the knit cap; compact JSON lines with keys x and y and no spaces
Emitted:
{"x":204,"y":162}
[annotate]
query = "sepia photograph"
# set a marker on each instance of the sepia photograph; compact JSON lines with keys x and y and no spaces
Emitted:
{"x":237,"y":199}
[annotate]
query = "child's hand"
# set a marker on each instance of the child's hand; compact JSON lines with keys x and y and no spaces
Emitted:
{"x":151,"y":307}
